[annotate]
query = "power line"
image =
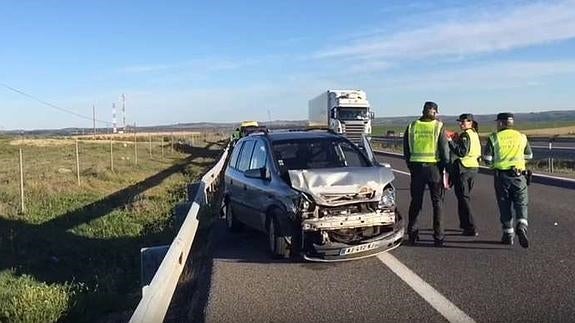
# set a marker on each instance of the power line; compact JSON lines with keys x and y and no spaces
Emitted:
{"x":30,"y":96}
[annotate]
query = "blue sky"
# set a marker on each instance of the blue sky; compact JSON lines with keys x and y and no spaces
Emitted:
{"x":226,"y":61}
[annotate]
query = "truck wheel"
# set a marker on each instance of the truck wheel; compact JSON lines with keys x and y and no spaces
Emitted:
{"x":277,"y":243}
{"x":232,"y":223}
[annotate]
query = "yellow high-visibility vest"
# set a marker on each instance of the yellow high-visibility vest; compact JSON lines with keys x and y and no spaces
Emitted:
{"x":470,"y":160}
{"x":508,"y":149}
{"x":423,"y":137}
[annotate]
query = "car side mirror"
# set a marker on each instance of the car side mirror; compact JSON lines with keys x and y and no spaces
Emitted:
{"x":261,"y":173}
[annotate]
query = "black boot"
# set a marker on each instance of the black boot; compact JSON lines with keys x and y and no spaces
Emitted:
{"x":470,"y":233}
{"x":413,"y":237}
{"x":438,"y":242}
{"x":507,"y":239}
{"x":522,"y":236}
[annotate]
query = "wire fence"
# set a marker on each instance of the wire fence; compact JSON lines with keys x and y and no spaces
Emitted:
{"x":37,"y":166}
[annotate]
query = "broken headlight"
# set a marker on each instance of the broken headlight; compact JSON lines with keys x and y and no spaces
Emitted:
{"x":305,"y":205}
{"x":387,"y":198}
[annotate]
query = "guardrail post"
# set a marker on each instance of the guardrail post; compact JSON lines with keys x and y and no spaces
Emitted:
{"x":550,"y":160}
{"x":22,"y":205}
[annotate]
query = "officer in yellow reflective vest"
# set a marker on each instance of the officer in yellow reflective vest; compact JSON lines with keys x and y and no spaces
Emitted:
{"x":426,"y":152}
{"x":467,"y":151}
{"x":506,"y":152}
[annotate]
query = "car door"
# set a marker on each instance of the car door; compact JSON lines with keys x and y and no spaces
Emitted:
{"x":231,"y":176}
{"x":258,"y":194}
{"x":241,"y":182}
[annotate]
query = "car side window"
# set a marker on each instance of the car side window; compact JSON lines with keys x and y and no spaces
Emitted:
{"x":235,"y":154}
{"x":246,"y":155}
{"x":259,"y":156}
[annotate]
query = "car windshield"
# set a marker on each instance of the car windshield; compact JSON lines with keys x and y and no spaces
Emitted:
{"x":352,"y":113}
{"x":317,"y":153}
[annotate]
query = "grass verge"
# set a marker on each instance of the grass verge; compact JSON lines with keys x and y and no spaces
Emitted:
{"x":73,"y":255}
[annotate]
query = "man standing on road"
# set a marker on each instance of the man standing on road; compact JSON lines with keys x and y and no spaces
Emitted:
{"x":506,"y":152}
{"x":426,"y":152}
{"x":467,"y":151}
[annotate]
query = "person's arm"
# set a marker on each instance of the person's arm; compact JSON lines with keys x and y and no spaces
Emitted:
{"x":443,"y":149}
{"x":460,"y":147}
{"x":488,"y":153}
{"x":406,"y":152}
{"x":527,"y":152}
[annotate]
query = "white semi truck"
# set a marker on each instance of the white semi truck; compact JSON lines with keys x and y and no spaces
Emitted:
{"x":344,"y":111}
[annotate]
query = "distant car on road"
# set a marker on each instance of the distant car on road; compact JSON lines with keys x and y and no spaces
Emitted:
{"x":314,"y":193}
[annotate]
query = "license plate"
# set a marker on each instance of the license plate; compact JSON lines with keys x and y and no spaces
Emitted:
{"x":356,"y":249}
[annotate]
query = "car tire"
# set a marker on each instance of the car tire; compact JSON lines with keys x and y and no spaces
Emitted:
{"x":232,"y":223}
{"x":277,"y":243}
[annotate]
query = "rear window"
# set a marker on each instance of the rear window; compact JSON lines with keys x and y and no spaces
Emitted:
{"x":317,"y":153}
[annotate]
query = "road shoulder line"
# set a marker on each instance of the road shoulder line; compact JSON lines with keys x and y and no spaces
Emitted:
{"x":441,"y":304}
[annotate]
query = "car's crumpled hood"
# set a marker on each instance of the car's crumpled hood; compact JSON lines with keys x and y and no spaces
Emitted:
{"x":340,"y":186}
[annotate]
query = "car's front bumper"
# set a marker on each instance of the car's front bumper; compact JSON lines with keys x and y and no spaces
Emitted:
{"x":335,"y":251}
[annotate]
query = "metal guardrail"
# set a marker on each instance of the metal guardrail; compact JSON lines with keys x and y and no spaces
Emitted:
{"x":157,"y":296}
{"x":552,"y":154}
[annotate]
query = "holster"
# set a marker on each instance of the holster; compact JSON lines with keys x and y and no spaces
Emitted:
{"x":528,"y":174}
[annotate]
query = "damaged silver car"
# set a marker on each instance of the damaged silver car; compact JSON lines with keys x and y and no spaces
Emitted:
{"x":314,"y":193}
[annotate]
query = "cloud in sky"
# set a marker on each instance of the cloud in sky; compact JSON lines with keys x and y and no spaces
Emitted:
{"x":484,"y":76}
{"x":523,"y":26}
{"x":203,"y":64}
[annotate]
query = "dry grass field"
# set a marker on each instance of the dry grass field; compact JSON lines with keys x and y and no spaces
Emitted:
{"x":73,"y":253}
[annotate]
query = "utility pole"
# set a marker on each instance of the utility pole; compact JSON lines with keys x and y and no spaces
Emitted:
{"x":94,"y":119}
{"x":114,"y":130}
{"x":124,"y":112}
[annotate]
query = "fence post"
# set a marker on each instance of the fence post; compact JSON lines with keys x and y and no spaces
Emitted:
{"x":150,"y":141}
{"x":112,"y":155}
{"x":135,"y":148}
{"x":162,"y":145}
{"x":22,"y":205}
{"x":77,"y":162}
{"x":171,"y":143}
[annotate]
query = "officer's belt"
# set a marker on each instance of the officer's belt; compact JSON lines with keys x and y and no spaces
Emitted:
{"x":424,"y":163}
{"x":510,"y":172}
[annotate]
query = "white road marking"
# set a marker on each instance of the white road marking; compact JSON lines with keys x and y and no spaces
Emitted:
{"x":441,"y":304}
{"x":401,"y":172}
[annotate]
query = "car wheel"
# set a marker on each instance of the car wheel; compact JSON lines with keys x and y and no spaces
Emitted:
{"x":277,"y":243}
{"x":231,"y":222}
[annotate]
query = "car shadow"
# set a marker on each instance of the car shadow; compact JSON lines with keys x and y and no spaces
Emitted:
{"x":246,"y":246}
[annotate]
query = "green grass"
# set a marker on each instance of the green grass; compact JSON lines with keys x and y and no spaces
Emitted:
{"x":73,"y":255}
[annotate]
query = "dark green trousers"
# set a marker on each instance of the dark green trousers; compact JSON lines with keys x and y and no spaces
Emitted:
{"x":512,"y":197}
{"x":463,"y":180}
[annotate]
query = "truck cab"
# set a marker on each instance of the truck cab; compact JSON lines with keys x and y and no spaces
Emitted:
{"x":346,"y":112}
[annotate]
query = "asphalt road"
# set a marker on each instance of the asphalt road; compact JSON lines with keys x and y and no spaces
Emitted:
{"x":486,"y":281}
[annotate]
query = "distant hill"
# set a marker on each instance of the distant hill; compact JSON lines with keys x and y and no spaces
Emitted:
{"x":546,"y":118}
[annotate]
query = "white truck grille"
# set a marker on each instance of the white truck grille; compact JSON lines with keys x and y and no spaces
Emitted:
{"x":353,"y":131}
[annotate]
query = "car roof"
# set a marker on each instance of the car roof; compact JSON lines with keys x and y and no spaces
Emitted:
{"x":300,"y":135}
